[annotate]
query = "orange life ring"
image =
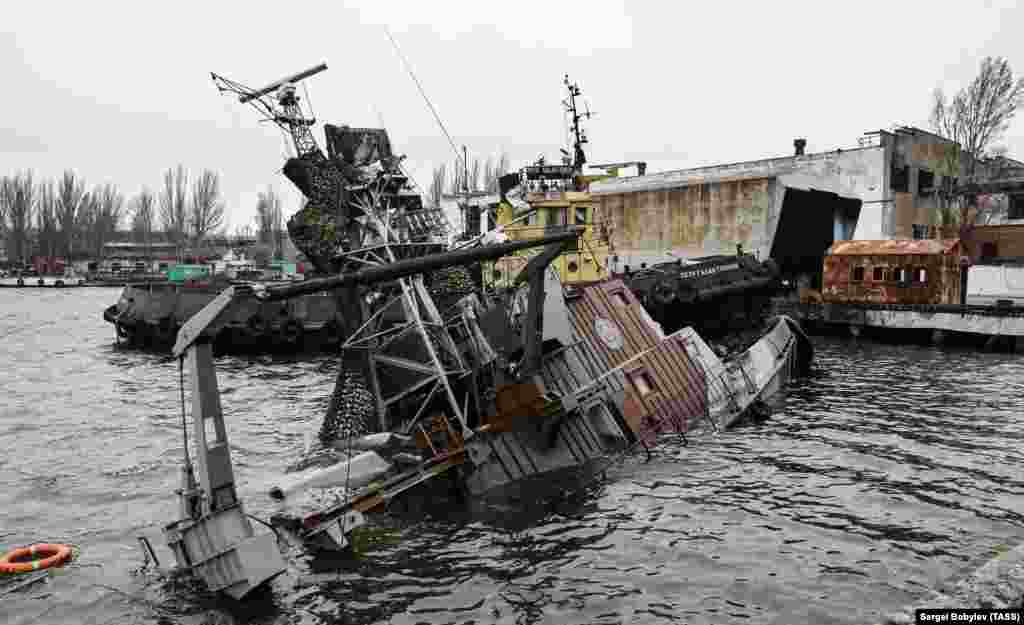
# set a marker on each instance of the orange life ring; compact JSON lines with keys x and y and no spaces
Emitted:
{"x":55,"y":555}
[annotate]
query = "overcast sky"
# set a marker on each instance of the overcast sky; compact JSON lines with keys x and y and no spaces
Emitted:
{"x":121,"y":91}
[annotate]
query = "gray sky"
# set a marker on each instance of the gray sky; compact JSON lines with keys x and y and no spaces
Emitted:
{"x":119,"y":91}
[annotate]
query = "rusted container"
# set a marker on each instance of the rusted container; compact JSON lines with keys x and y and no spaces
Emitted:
{"x":650,"y":377}
{"x":926,"y":271}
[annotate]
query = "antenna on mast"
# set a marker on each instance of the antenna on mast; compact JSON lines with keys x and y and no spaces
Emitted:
{"x":579,"y":135}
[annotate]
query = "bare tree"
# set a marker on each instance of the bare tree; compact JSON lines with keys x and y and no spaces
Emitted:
{"x":48,"y":241}
{"x":977,"y":116}
{"x":101,"y":217}
{"x":206,"y":210}
{"x":173,"y":200}
{"x":493,"y":170}
{"x":438,"y":180}
{"x":458,"y":178}
{"x":474,"y":175}
{"x":85,"y":222}
{"x":70,"y":195}
{"x":243,"y":233}
{"x":19,"y":199}
{"x":269,"y":219}
{"x":5,"y":196}
{"x":143,"y":219}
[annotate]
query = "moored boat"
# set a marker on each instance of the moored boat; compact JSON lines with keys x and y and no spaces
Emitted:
{"x":149,"y":315}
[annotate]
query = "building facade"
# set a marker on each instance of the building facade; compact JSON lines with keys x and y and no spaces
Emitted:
{"x":893,"y":185}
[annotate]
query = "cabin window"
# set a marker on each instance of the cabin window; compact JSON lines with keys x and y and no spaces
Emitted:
{"x":556,"y":216}
{"x":532,"y":218}
{"x":989,"y":250}
{"x":581,"y":215}
{"x":163,"y":266}
{"x":620,"y":298}
{"x":642,"y":382}
{"x":921,"y":275}
{"x":878,"y":275}
{"x":857,"y":274}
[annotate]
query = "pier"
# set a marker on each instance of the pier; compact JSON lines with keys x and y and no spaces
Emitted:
{"x":990,"y":325}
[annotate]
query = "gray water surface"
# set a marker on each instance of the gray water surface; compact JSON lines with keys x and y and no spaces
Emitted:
{"x":889,"y":471}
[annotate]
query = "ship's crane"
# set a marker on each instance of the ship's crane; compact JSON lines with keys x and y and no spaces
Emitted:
{"x":279,"y":103}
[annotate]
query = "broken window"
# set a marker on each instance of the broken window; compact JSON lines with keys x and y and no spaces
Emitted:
{"x":643,"y":383}
{"x":1015,"y":207}
{"x":925,"y":181}
{"x":878,"y":275}
{"x":857,"y":275}
{"x":900,"y":179}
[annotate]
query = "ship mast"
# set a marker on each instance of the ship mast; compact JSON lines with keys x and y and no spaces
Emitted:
{"x":578,"y":134}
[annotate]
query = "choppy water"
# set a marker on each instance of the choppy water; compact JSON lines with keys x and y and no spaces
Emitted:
{"x":891,"y":470}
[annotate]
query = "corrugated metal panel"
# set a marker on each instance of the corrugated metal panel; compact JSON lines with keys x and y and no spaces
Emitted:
{"x":606,"y":317}
{"x":894,"y":247}
{"x":676,"y":389}
{"x":616,"y":344}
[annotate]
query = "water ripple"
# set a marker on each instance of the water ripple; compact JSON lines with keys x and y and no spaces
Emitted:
{"x":888,"y":471}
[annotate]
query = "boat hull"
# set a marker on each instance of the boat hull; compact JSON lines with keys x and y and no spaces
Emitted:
{"x":149,"y":316}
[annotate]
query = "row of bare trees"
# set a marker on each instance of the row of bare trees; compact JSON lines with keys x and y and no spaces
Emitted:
{"x":61,"y":218}
{"x":479,"y":176}
{"x":56,"y":217}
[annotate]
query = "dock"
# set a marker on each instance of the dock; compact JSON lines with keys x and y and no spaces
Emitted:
{"x":992,"y":325}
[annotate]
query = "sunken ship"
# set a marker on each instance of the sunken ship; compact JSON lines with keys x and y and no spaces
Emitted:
{"x":441,"y":383}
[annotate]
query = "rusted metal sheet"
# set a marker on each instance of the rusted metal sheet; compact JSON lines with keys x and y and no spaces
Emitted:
{"x":658,"y":385}
{"x":665,"y":390}
{"x":1000,"y":241}
{"x":893,"y":272}
{"x":694,"y":219}
{"x":894,"y":247}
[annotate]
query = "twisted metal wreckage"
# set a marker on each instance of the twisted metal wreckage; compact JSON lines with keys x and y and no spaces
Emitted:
{"x":438,"y":377}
